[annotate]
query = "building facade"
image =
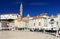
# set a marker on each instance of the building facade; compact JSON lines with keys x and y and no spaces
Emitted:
{"x":37,"y":22}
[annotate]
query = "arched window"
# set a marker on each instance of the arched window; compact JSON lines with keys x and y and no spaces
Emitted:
{"x":52,"y":21}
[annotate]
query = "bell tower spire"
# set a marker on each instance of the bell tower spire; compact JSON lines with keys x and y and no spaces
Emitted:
{"x":21,"y":10}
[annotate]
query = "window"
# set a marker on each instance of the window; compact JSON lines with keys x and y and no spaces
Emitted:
{"x":34,"y":24}
{"x":52,"y":19}
{"x":39,"y":23}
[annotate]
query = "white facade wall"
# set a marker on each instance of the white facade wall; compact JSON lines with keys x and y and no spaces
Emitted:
{"x":56,"y":20}
{"x":37,"y":22}
{"x":31,"y":23}
{"x":48,"y":22}
{"x":59,"y":20}
{"x":8,"y":16}
{"x":49,"y":25}
{"x":42,"y":22}
{"x":19,"y":24}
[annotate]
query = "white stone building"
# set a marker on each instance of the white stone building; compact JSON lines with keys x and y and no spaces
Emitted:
{"x":58,"y":20}
{"x":42,"y":21}
{"x":8,"y":16}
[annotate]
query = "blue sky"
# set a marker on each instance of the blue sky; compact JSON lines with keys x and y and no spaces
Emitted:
{"x":33,"y":7}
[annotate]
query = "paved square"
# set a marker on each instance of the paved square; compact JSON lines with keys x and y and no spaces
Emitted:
{"x":25,"y":35}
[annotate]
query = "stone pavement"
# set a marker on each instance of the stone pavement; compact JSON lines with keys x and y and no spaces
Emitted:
{"x":25,"y":35}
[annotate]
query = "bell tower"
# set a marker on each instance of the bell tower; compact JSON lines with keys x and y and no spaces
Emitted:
{"x":21,"y":10}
